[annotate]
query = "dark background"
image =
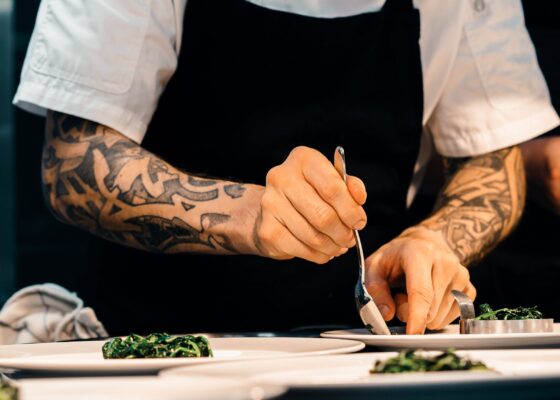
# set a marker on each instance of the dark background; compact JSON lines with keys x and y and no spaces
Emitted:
{"x":524,"y":270}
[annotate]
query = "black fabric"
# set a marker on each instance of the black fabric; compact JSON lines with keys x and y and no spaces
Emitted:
{"x":251,"y":85}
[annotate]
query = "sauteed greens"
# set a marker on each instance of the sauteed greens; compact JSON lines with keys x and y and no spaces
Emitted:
{"x":157,"y":345}
{"x":7,"y":391}
{"x":410,"y":361}
{"x":487,"y":313}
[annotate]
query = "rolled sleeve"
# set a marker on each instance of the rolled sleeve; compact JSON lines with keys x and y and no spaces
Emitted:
{"x":496,"y":95}
{"x":102,"y":60}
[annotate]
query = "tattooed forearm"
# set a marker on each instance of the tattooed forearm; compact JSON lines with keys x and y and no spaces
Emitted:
{"x":98,"y":180}
{"x":481,"y":202}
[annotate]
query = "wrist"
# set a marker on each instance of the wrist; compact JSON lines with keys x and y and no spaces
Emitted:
{"x":245,"y":216}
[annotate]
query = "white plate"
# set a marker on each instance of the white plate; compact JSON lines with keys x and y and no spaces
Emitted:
{"x":144,"y":388}
{"x":450,"y":337}
{"x":352,"y":370}
{"x":79,"y":357}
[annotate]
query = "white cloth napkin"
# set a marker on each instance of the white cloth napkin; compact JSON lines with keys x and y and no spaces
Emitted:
{"x":47,"y":313}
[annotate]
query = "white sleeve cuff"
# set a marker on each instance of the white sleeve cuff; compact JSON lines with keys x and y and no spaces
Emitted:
{"x":480,"y":141}
{"x":37,"y":98}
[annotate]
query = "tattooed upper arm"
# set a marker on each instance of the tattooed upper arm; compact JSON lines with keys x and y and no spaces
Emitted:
{"x":97,"y":179}
{"x":481,"y":202}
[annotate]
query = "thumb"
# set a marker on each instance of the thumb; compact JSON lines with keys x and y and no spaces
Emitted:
{"x":378,"y":288}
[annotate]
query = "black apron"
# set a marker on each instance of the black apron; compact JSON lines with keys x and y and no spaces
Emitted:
{"x":251,"y":85}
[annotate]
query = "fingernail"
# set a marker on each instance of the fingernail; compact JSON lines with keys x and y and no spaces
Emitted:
{"x":360,"y":224}
{"x":384,"y":310}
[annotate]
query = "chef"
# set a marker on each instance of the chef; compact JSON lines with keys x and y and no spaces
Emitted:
{"x":181,"y":132}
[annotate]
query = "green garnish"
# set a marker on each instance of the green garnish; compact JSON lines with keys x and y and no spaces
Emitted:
{"x":410,"y":361}
{"x":7,"y":391}
{"x":157,"y":345}
{"x":486,"y":313}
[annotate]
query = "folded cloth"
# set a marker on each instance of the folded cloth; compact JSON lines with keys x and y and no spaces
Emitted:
{"x":47,"y":313}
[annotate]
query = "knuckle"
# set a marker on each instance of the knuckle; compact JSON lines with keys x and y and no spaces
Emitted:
{"x":423,"y":292}
{"x":299,"y":151}
{"x":464,"y":274}
{"x":416,"y":246}
{"x":473,"y":293}
{"x":267,"y":202}
{"x":318,"y":241}
{"x":324,"y":217}
{"x":273,"y":175}
{"x":330,"y":191}
{"x":267,"y":233}
{"x":426,"y":246}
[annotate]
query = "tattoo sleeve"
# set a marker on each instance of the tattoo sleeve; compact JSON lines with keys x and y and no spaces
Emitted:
{"x":96,"y":179}
{"x":481,"y":202}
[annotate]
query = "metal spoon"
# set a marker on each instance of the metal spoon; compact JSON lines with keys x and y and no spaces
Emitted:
{"x":369,"y":313}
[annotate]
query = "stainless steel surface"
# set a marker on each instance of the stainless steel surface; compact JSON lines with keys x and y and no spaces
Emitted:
{"x":475,"y":326}
{"x":466,"y":306}
{"x":470,"y":325}
{"x":369,"y":313}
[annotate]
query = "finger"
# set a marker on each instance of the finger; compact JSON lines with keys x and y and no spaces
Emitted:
{"x":449,"y":307}
{"x":441,"y":283}
{"x":285,"y":245}
{"x":447,"y":275}
{"x":357,"y":189}
{"x":401,"y":302}
{"x":378,"y":287}
{"x":470,"y":291}
{"x":454,"y":312}
{"x":319,"y":214}
{"x":324,"y":178}
{"x":418,"y":271}
{"x":303,"y":231}
{"x":451,"y":316}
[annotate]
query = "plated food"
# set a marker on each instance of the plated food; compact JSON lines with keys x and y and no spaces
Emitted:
{"x":414,"y":361}
{"x":486,"y":313}
{"x":157,"y":345}
{"x":519,"y":320}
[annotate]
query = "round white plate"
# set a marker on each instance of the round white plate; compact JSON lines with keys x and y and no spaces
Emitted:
{"x":450,"y":337}
{"x":145,"y":388}
{"x":352,"y":370}
{"x":79,"y":357}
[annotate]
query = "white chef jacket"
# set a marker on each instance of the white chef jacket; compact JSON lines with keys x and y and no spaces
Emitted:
{"x":109,"y":61}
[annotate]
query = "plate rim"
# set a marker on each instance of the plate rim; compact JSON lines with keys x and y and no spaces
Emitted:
{"x":333,"y":334}
{"x":36,"y":362}
{"x":462,"y":378}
